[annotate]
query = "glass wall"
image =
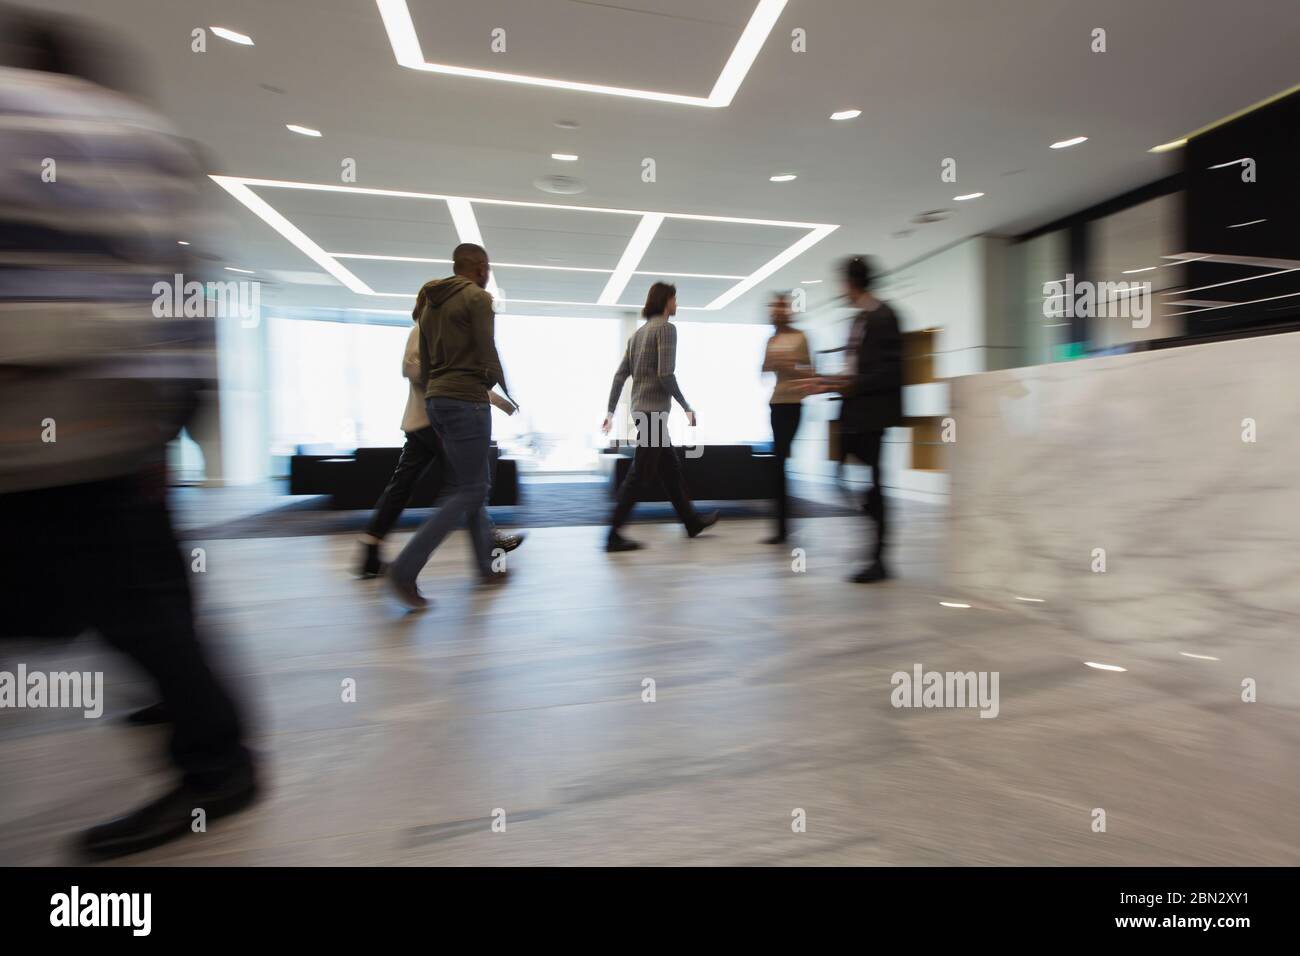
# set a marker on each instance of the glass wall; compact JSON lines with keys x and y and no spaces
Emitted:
{"x":719,"y":368}
{"x":559,"y":370}
{"x":334,"y":386}
{"x":1130,"y":246}
{"x":1031,"y":266}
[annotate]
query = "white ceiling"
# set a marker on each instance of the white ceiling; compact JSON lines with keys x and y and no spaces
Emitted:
{"x":989,"y":83}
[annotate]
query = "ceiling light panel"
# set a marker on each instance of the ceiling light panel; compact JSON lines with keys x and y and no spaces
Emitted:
{"x":691,"y":293}
{"x":404,"y":278}
{"x":555,"y":237}
{"x":468,"y":214}
{"x":536,"y":281}
{"x":345,"y":222}
{"x":426,"y":36}
{"x":631,"y":258}
{"x":536,"y":286}
{"x":725,"y":247}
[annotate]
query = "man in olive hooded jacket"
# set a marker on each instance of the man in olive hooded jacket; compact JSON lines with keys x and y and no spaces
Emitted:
{"x":459,"y":361}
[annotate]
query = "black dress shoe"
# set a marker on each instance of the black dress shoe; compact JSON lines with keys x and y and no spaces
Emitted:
{"x":371,"y":566}
{"x":872,"y":572}
{"x":507,"y":542}
{"x":168,"y":817}
{"x":617,"y":542}
{"x":775,"y":539}
{"x":148,"y":716}
{"x":706,"y":521}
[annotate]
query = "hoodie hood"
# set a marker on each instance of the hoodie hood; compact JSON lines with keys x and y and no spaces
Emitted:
{"x":439,"y":291}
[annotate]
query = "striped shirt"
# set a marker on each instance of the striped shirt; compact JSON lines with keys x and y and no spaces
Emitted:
{"x":650,"y":361}
{"x":95,"y":193}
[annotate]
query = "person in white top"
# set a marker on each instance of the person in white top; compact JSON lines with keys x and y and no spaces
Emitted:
{"x":421,"y":450}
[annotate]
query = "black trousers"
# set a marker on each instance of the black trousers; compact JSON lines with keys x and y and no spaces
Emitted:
{"x":103,"y":555}
{"x":655,"y":459}
{"x":785,"y":422}
{"x":421,"y":450}
{"x":865,"y":446}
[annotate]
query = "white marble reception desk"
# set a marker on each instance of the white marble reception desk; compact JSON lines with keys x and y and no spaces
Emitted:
{"x":1139,"y":459}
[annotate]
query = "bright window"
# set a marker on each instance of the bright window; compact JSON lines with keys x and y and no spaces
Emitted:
{"x":335,"y":384}
{"x":719,"y":368}
{"x":339,"y":385}
{"x":559,"y":370}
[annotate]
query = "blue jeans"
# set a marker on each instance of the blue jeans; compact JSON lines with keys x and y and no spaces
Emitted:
{"x":465,"y":429}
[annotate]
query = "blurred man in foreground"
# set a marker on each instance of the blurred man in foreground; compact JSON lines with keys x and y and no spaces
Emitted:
{"x":93,"y":193}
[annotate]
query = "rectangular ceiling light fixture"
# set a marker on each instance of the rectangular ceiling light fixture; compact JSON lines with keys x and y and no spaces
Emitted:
{"x":406,"y":48}
{"x":461,"y":209}
{"x":633,"y":253}
{"x":466,"y":223}
{"x":530,"y":265}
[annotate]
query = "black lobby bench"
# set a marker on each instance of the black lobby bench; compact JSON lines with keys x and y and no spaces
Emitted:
{"x":355,"y":481}
{"x":719,"y":473}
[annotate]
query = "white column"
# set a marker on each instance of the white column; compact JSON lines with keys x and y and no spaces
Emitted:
{"x":242,"y":395}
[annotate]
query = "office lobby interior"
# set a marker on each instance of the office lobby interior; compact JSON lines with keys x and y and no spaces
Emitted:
{"x":1082,"y":215}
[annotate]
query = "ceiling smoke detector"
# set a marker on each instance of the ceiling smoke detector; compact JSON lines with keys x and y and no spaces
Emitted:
{"x":932,"y":215}
{"x":560,"y":185}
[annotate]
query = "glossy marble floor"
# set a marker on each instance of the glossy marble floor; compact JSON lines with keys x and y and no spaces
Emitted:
{"x":772,"y":694}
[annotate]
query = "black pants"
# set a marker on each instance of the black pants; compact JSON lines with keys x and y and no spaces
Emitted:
{"x":654,"y":459}
{"x":103,"y":555}
{"x":785,"y":422}
{"x":865,"y":446}
{"x":421,"y":450}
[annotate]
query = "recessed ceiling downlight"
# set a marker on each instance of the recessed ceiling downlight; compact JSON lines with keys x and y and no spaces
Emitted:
{"x":234,"y":36}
